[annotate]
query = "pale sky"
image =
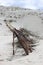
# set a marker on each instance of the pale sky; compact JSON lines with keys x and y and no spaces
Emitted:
{"x":33,"y":4}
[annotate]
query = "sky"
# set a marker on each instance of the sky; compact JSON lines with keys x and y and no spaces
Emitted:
{"x":32,"y":4}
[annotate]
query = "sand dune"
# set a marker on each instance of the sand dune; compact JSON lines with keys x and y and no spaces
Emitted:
{"x":32,"y":20}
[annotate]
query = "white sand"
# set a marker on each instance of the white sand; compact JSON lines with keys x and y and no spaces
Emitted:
{"x":28,"y":19}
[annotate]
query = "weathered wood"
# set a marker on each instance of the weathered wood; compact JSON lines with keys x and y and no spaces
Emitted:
{"x":25,"y":43}
{"x":13,"y":44}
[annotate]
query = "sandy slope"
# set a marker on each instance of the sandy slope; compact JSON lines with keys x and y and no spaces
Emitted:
{"x":35,"y":58}
{"x":30,"y":20}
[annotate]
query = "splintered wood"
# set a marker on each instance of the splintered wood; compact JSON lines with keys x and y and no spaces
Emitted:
{"x":24,"y":42}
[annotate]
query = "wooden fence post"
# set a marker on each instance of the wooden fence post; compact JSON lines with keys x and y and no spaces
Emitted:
{"x":13,"y":43}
